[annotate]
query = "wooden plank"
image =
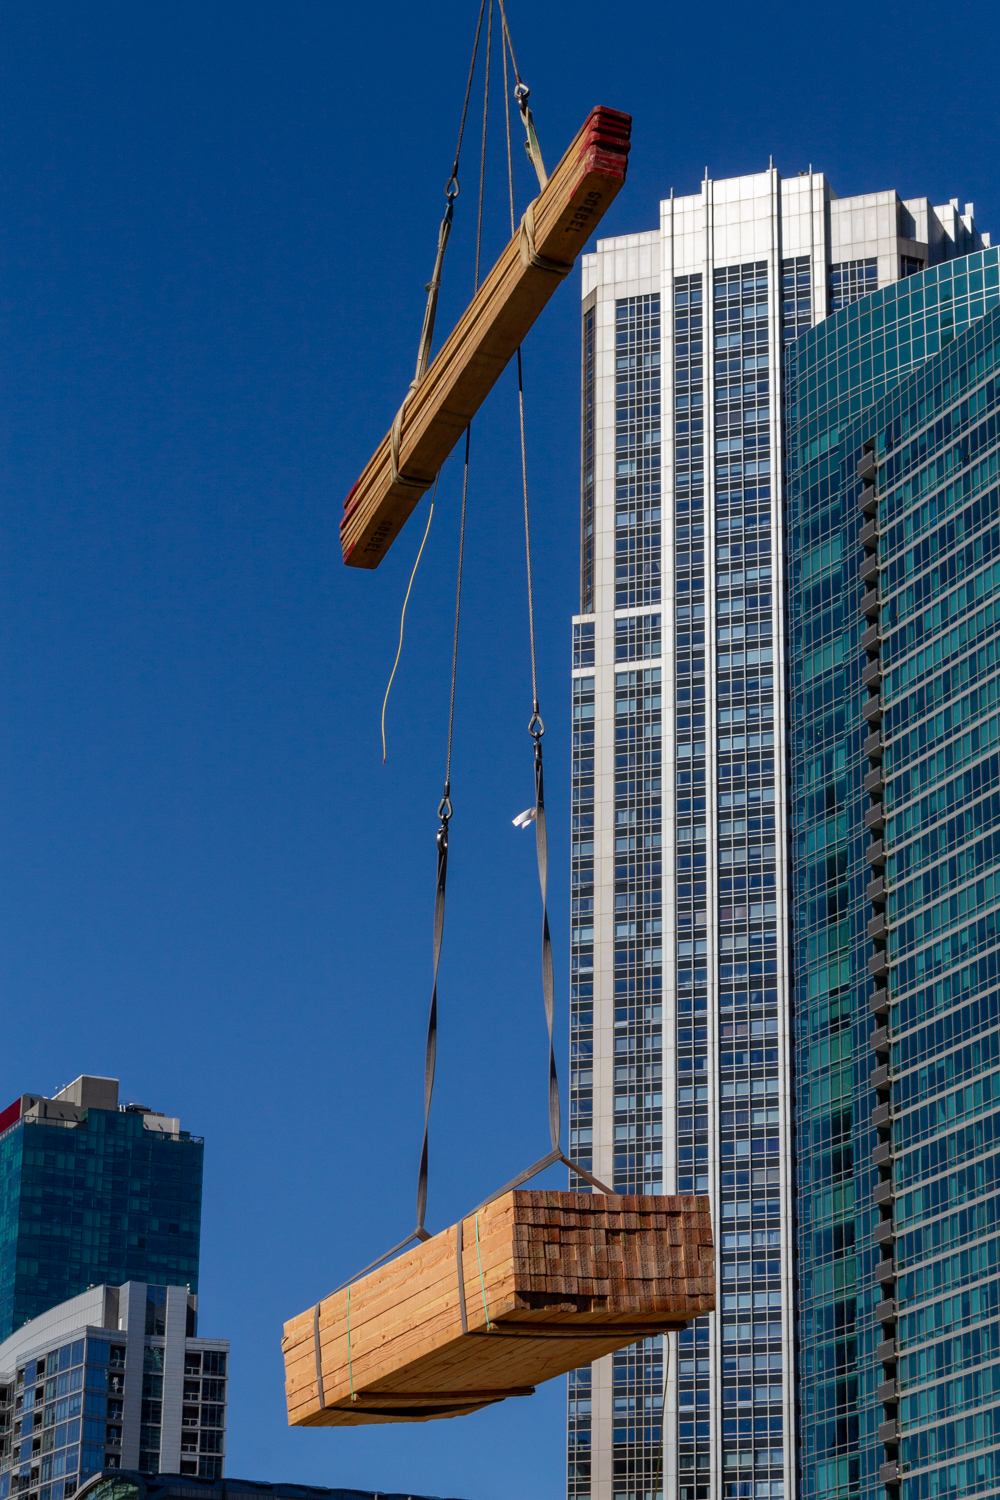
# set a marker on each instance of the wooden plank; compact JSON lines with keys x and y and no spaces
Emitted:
{"x":471,"y":360}
{"x":647,"y":1267}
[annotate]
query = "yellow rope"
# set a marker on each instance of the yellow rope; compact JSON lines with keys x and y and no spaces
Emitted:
{"x":402,"y":618}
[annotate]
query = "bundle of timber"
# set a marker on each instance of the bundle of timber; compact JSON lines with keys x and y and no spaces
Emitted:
{"x":459,"y":379}
{"x":531,"y":1286}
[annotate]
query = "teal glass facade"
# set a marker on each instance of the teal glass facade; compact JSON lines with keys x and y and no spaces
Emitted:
{"x":893,"y":518}
{"x":102,"y":1202}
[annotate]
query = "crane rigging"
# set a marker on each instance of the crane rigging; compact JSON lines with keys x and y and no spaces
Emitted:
{"x":446,"y":393}
{"x":532,"y":1283}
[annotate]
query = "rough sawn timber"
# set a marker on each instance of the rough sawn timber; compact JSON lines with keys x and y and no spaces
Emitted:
{"x":469,"y":363}
{"x":565,"y":1278}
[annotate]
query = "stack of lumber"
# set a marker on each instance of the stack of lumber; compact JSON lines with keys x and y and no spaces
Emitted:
{"x":459,"y":379}
{"x":542,"y":1283}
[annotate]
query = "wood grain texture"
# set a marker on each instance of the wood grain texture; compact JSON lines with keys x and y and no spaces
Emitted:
{"x":555,"y":1280}
{"x":474,"y":355}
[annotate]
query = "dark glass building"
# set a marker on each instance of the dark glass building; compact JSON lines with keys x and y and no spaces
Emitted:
{"x":122,"y":1486}
{"x":893,"y":516}
{"x":93,"y":1193}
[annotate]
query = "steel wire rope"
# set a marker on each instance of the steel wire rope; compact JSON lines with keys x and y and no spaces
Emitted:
{"x":521,"y":94}
{"x":445,"y":808}
{"x":536,"y":726}
{"x":452,"y":189}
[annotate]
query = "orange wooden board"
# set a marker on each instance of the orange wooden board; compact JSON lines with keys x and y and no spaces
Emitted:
{"x":550,"y":1281}
{"x":472,"y":358}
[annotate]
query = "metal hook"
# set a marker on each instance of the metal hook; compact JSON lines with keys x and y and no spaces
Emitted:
{"x":521,"y":92}
{"x":452,"y":192}
{"x":536,"y":727}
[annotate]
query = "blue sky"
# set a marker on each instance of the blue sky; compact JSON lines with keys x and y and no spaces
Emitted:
{"x":216,"y":226}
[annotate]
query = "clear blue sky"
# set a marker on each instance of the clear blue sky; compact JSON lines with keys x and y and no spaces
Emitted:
{"x":216,"y":224}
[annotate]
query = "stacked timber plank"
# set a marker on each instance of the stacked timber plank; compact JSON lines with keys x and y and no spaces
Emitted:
{"x":533,"y":1285}
{"x":459,"y":379}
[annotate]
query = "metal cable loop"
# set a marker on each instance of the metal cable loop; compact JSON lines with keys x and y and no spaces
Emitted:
{"x":521,"y":93}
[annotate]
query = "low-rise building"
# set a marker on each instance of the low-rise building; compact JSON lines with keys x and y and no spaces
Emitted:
{"x":175,"y":1487}
{"x":116,"y":1378}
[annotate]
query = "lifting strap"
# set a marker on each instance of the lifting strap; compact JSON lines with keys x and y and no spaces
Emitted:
{"x":445,"y":811}
{"x":430,"y":1056}
{"x":426,"y":339}
{"x":536,"y":727}
{"x":526,"y":246}
{"x":452,"y":189}
{"x":521,"y":93}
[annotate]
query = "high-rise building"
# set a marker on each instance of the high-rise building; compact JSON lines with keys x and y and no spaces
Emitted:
{"x":682,"y":1043}
{"x":893,"y":515}
{"x":116,"y":1378}
{"x":93,"y":1192}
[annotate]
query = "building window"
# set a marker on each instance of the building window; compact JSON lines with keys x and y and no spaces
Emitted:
{"x":851,"y":280}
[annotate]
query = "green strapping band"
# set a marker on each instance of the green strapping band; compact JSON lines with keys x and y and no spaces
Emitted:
{"x":350,"y":1368}
{"x":482,"y":1283}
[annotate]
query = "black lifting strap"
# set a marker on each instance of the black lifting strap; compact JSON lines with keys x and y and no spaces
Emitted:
{"x":430,"y":1057}
{"x":444,"y":815}
{"x":537,"y":729}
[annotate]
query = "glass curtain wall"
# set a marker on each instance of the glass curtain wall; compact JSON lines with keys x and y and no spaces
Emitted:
{"x":749,"y":1242}
{"x":892,"y":523}
{"x":101,"y":1203}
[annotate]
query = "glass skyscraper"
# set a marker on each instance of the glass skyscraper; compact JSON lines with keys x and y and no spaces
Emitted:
{"x":93,"y":1193}
{"x":683,"y":1051}
{"x":893,"y":562}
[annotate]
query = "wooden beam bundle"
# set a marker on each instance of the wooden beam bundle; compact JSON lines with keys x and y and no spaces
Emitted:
{"x":534,"y":1285}
{"x":469,"y":363}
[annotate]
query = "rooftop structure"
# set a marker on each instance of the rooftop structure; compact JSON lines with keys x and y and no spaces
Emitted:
{"x":93,"y":1192}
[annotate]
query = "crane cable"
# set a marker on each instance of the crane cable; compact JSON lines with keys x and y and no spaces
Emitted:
{"x":536,"y":726}
{"x":445,"y":809}
{"x":451,"y":191}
